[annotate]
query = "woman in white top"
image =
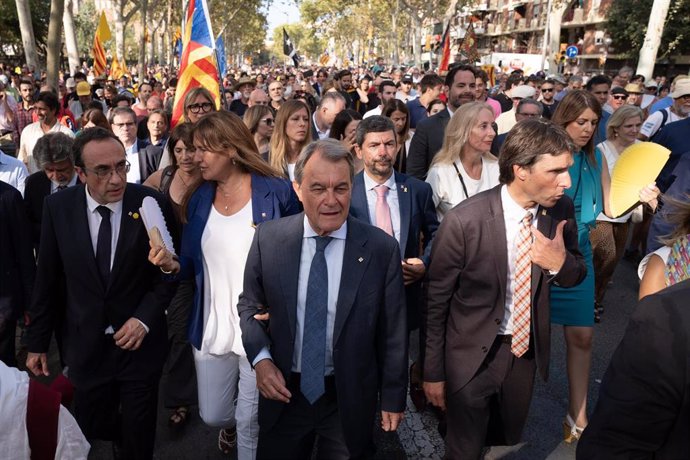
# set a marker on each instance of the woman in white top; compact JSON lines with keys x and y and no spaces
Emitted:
{"x":240,"y":191}
{"x":464,"y":166}
{"x":670,"y":264}
{"x":609,"y":236}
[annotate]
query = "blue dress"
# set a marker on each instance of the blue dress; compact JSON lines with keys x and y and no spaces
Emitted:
{"x":575,"y":306}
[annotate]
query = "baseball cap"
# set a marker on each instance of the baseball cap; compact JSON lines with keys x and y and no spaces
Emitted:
{"x":522,"y":91}
{"x":619,"y":90}
{"x":682,"y":88}
{"x":407,"y":78}
{"x":83,"y":89}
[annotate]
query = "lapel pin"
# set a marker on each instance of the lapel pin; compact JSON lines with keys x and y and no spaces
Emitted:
{"x":543,"y":212}
{"x":263,"y":214}
{"x":404,"y":188}
{"x":134,"y":215}
{"x":361,"y":259}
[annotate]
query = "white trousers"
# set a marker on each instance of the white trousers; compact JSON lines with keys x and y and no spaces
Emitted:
{"x":219,"y":379}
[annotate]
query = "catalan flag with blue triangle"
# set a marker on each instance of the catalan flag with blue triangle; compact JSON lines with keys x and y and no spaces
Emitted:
{"x":198,"y":66}
{"x":220,"y":56}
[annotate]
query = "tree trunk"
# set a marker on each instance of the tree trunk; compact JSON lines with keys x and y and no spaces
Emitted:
{"x":652,"y":39}
{"x":143,"y":35}
{"x":70,"y":36}
{"x":416,"y":40}
{"x":394,"y":30}
{"x":120,"y":29}
{"x":557,"y":9}
{"x":27,"y":31}
{"x":57,"y":10}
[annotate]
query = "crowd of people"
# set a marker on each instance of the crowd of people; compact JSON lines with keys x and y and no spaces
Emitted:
{"x":319,"y":217}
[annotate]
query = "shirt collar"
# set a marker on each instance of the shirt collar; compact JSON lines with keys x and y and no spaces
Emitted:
{"x":92,"y":204}
{"x":512,"y":208}
{"x":369,"y":183}
{"x":340,"y":234}
{"x":3,"y":158}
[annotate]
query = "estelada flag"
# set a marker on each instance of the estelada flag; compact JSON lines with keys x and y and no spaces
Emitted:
{"x":445,"y":55}
{"x":198,"y":66}
{"x":102,"y":35}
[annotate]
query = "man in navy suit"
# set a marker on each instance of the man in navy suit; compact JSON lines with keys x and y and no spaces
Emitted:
{"x":322,"y":272}
{"x":94,"y":247}
{"x":143,"y":158}
{"x":410,"y":216}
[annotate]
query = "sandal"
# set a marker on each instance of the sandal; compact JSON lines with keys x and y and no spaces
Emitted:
{"x":227,"y":439}
{"x":178,"y":418}
{"x":571,"y":432}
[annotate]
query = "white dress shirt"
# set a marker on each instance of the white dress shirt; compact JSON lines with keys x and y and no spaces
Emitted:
{"x":134,"y":174}
{"x":321,"y":134}
{"x":13,"y":172}
{"x":513,"y":214}
{"x":391,"y":199}
{"x":334,"y":254}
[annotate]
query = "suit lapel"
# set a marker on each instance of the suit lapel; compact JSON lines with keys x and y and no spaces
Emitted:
{"x":355,"y":262}
{"x":405,"y":203}
{"x":496,"y":227}
{"x":142,"y":162}
{"x":129,"y":226}
{"x":544,"y":225}
{"x":262,"y":200}
{"x":359,"y":199}
{"x":290,"y":253}
{"x":82,"y":236}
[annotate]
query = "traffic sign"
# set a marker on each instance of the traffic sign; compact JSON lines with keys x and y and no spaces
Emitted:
{"x":571,"y":52}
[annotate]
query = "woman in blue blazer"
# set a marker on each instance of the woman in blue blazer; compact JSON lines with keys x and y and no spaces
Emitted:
{"x":240,"y":192}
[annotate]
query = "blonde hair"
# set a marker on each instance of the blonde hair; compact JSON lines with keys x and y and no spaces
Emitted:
{"x":457,"y":133}
{"x":619,"y":117}
{"x":279,"y":140}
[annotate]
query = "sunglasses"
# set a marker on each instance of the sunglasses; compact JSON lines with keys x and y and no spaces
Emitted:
{"x":620,"y":97}
{"x":547,"y":90}
{"x":268,"y":121}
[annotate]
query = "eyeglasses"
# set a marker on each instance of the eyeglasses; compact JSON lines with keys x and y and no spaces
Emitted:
{"x":198,"y":108}
{"x":530,"y":115}
{"x":102,"y":172}
{"x":124,"y":125}
{"x":547,"y":90}
{"x":268,"y":121}
{"x":620,"y":97}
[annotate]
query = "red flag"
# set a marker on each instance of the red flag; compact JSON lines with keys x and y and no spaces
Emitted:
{"x":445,"y":56}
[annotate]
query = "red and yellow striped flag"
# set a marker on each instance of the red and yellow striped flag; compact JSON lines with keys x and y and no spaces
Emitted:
{"x":198,"y":65}
{"x":98,"y":51}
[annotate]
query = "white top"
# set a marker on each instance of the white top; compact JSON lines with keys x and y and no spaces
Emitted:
{"x":334,"y":254}
{"x":30,"y":135}
{"x":134,"y":174}
{"x":513,"y":214}
{"x":653,"y":122}
{"x":611,"y":155}
{"x":13,"y":172}
{"x":663,"y":252}
{"x":447,"y":188}
{"x":4,"y":119}
{"x":224,"y":246}
{"x":374,"y":111}
{"x":291,"y":171}
{"x":391,"y":199}
{"x":14,"y":438}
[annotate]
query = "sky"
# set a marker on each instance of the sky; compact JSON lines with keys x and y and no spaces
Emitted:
{"x":281,"y":12}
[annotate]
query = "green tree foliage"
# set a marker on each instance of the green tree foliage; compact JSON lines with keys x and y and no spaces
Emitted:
{"x":304,"y":38}
{"x":627,"y":25}
{"x":9,"y":24}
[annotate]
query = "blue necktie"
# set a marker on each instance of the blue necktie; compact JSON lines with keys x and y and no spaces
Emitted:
{"x":315,"y":314}
{"x":103,"y":245}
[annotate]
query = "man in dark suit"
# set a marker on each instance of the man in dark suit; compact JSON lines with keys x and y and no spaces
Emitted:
{"x":460,"y":86}
{"x":53,"y":155}
{"x":488,"y":291}
{"x":643,"y":409}
{"x":95,"y":246}
{"x":144,"y":158}
{"x":526,"y":108}
{"x":405,"y":209}
{"x":336,"y":342}
{"x":17,"y":268}
{"x":330,"y":105}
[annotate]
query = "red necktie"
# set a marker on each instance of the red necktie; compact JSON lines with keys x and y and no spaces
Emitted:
{"x":523,"y":288}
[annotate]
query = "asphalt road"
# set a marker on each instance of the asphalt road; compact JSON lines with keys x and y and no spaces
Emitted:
{"x":417,"y":438}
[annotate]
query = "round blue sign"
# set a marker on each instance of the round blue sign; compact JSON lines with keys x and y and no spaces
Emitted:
{"x":571,"y":52}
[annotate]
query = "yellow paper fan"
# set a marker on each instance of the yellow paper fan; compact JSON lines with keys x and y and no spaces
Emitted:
{"x":636,"y":168}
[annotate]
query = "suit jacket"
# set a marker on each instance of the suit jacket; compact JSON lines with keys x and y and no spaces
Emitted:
{"x":272,"y":198}
{"x":17,"y":266}
{"x":149,"y":158}
{"x":497,"y":143}
{"x":370,"y":334}
{"x":135,"y":289}
{"x":426,"y":142}
{"x":37,"y":189}
{"x":643,"y":411}
{"x":418,"y":225}
{"x":467,"y":286}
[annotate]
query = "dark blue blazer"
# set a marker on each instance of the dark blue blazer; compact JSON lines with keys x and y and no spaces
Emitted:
{"x":272,"y":198}
{"x":418,"y":221}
